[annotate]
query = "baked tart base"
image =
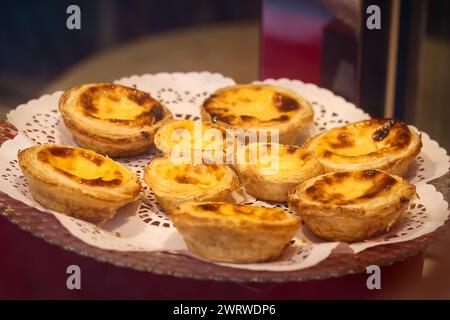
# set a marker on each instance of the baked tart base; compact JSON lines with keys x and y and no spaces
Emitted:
{"x":271,"y":179}
{"x":351,"y":206}
{"x":112,"y":119}
{"x":78,"y":182}
{"x":233,"y":233}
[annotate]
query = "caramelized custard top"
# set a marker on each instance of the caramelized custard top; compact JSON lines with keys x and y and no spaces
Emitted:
{"x":121,"y":105}
{"x":251,"y":105}
{"x":193,"y":134}
{"x":241,"y":212}
{"x":352,"y":187}
{"x":290,"y":158}
{"x":190,"y":176}
{"x":369,"y":138}
{"x":83,"y":166}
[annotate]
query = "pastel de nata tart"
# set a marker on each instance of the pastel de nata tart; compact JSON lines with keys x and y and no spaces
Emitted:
{"x":269,"y":171}
{"x":176,"y":182}
{"x":234,"y":233}
{"x":259,"y":106}
{"x":180,"y":135}
{"x":353,"y":205}
{"x":112,"y":119}
{"x":381,"y":144}
{"x":78,"y":182}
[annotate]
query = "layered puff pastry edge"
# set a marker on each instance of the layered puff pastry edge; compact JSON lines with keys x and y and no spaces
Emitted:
{"x":234,"y":233}
{"x":275,"y":171}
{"x":78,"y":182}
{"x":176,"y":182}
{"x":112,"y":119}
{"x":352,"y":206}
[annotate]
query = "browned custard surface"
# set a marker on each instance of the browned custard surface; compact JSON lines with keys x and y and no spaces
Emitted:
{"x":251,"y":105}
{"x":83,"y":166}
{"x":120,"y":105}
{"x":361,"y":141}
{"x":240,"y":212}
{"x":344,"y":188}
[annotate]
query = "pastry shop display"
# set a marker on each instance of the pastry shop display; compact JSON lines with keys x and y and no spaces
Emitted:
{"x":101,"y":169}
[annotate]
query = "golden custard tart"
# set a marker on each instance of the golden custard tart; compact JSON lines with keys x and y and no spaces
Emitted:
{"x":174,"y":183}
{"x":381,"y":144}
{"x":78,"y":182}
{"x":179,"y":136}
{"x":269,"y":171}
{"x":234,"y":233}
{"x":112,"y":119}
{"x":259,"y":106}
{"x":351,"y":205}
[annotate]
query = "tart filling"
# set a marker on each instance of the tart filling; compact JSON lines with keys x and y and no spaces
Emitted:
{"x":383,"y":144}
{"x":78,"y":182}
{"x":255,"y":106}
{"x":234,"y":233}
{"x":83,"y":166}
{"x":183,"y":135}
{"x":174,"y":183}
{"x":352,"y":206}
{"x":271,"y":170}
{"x":112,"y":119}
{"x":120,"y":105}
{"x":251,"y":105}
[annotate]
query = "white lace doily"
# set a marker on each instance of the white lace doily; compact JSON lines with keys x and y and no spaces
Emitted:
{"x":143,"y":226}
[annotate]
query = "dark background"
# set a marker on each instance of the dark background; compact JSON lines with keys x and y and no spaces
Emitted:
{"x":36,"y":46}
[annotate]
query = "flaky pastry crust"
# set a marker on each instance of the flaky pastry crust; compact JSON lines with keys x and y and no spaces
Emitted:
{"x":112,"y":119}
{"x":270,"y":177}
{"x":234,"y":233}
{"x":175,"y":183}
{"x":78,"y":182}
{"x":351,"y":206}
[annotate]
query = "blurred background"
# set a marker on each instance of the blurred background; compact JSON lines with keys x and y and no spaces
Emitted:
{"x":120,"y":38}
{"x":401,"y":70}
